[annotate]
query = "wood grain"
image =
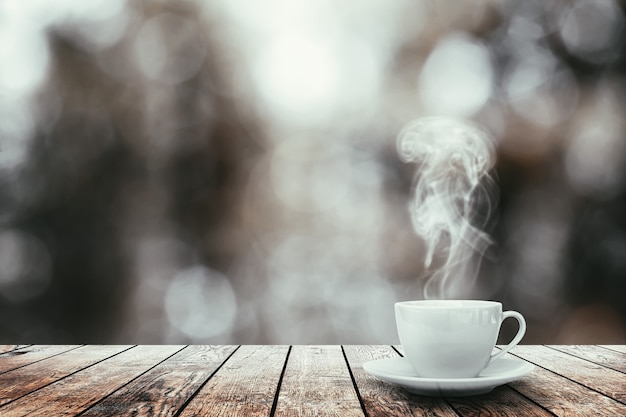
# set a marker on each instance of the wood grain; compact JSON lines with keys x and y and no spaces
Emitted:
{"x":22,"y":357}
{"x":617,"y":348}
{"x":244,"y":386}
{"x":502,"y":401}
{"x":596,"y":354}
{"x":317,"y":383}
{"x":9,"y":348}
{"x":73,"y":394}
{"x":164,"y":389}
{"x":564,"y":397}
{"x":604,"y":380}
{"x":278,"y":380}
{"x":21,"y":381}
{"x":384,"y":399}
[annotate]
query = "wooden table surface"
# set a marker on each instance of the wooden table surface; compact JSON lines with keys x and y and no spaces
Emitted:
{"x":43,"y":380}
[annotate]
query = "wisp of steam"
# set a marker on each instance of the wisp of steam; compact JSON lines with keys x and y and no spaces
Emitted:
{"x":452,"y":198}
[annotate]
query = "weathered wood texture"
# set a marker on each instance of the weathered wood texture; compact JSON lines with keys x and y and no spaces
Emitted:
{"x":164,"y":389}
{"x":9,"y":348}
{"x":381,"y":399}
{"x":21,"y":381}
{"x":20,"y":357}
{"x":317,"y":383}
{"x":617,"y":348}
{"x":185,"y":381}
{"x":564,"y":397}
{"x":74,"y":393}
{"x":244,"y":386}
{"x":598,"y":355}
{"x":502,"y":401}
{"x":599,"y":378}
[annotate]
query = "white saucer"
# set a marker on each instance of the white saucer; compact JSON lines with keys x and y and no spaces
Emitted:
{"x":398,"y":371}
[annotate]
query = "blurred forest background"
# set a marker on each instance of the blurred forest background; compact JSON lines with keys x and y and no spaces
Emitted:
{"x":218,"y":171}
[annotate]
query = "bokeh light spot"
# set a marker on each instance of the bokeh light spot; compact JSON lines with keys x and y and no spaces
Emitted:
{"x":201,"y":303}
{"x":169,"y":48}
{"x":540,"y":88}
{"x":25,"y":266}
{"x":24,"y":57}
{"x":595,"y":159}
{"x":593,"y":30}
{"x":457,"y":77}
{"x":298,"y":76}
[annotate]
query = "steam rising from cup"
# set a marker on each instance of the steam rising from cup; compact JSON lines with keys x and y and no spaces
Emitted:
{"x":452,"y":198}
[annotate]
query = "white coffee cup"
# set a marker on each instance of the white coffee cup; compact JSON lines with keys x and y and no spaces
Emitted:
{"x":452,"y":338}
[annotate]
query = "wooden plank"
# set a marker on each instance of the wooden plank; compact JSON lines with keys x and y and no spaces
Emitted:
{"x":244,"y":386}
{"x":502,"y":401}
{"x":599,"y":378}
{"x":23,"y":380}
{"x":384,"y":399}
{"x":596,"y":354}
{"x":617,"y":348}
{"x":317,"y":383}
{"x":73,"y":394}
{"x":564,"y":397}
{"x":9,"y":348}
{"x":22,"y":357}
{"x":164,"y":389}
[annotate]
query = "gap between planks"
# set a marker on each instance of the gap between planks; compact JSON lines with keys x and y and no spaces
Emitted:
{"x":74,"y":393}
{"x":595,"y":354}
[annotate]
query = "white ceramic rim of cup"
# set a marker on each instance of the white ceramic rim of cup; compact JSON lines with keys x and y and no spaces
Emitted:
{"x":457,"y":304}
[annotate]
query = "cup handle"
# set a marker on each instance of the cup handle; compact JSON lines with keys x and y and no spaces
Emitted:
{"x":518,"y":337}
